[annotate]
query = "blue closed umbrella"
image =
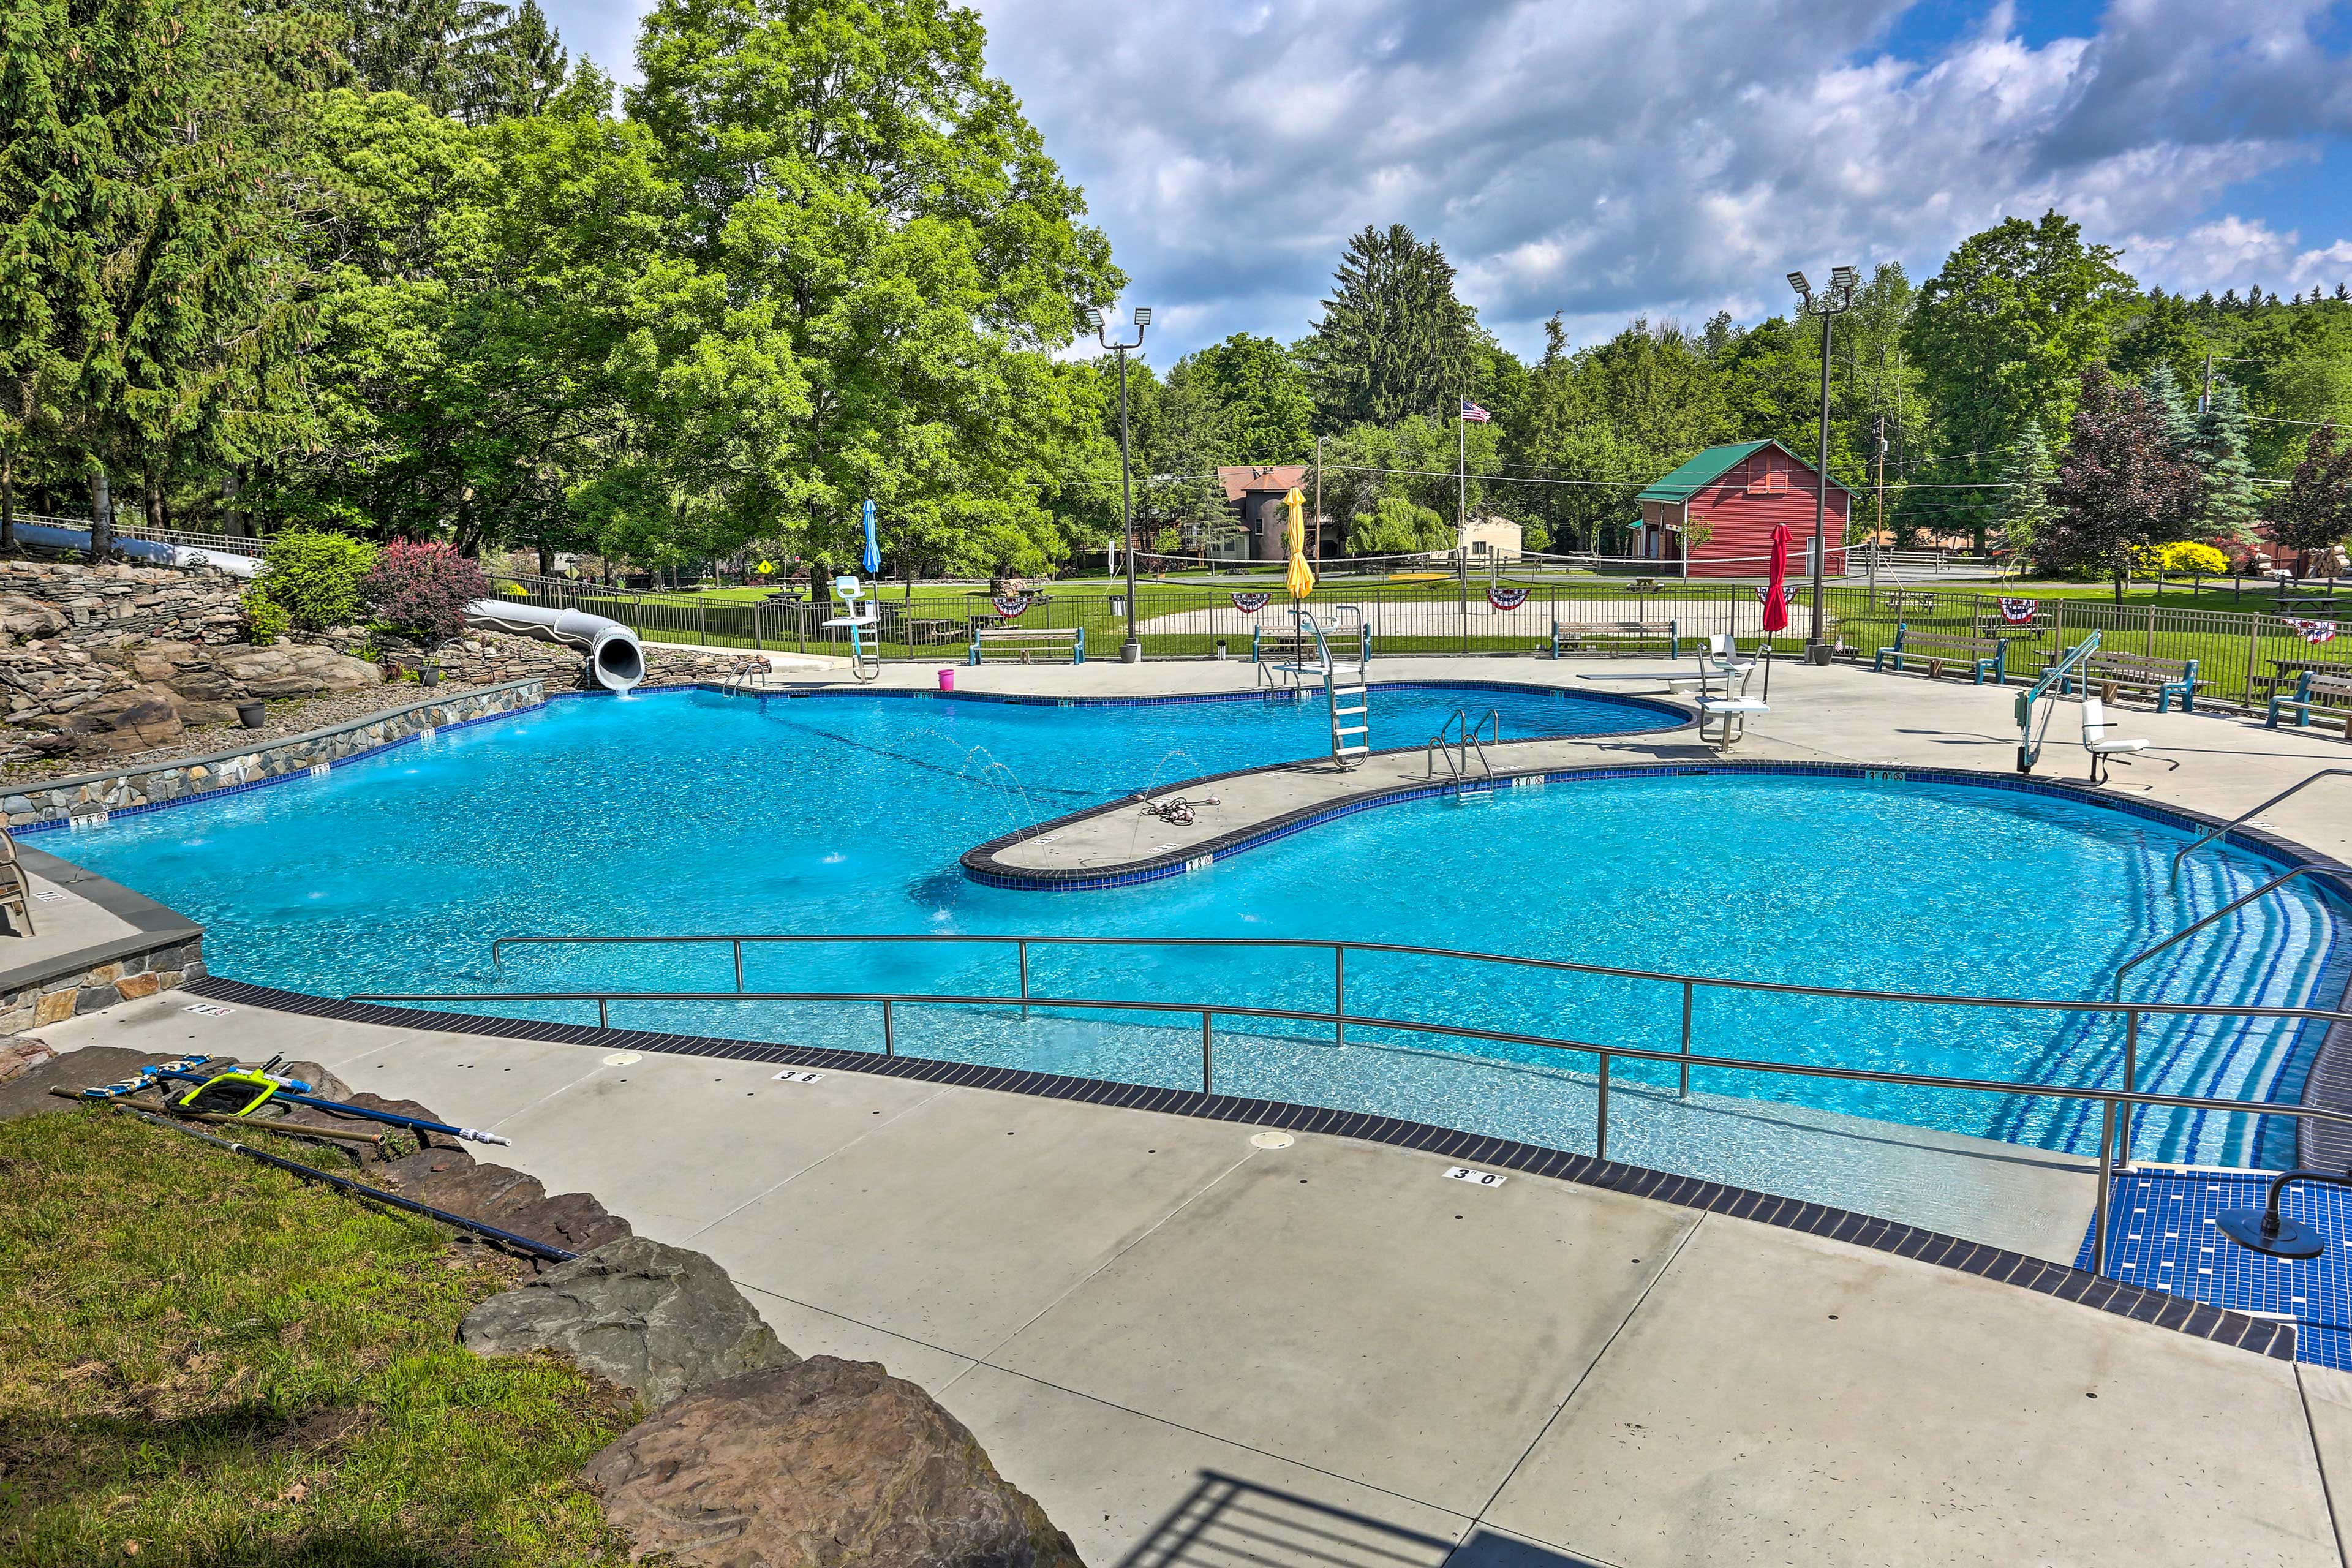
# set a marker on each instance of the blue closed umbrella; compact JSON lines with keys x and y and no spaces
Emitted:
{"x":873,"y":545}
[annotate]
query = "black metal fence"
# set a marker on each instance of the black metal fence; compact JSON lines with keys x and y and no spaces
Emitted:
{"x":2243,"y":656}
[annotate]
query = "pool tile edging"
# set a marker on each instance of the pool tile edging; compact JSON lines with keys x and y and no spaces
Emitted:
{"x":2262,"y":1336}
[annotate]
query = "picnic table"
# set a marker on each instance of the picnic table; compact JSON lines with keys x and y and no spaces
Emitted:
{"x":2285,"y":672}
{"x":1645,"y":585}
{"x":1907,"y":599}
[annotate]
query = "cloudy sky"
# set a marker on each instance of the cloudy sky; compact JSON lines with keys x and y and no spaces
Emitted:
{"x":1604,"y":158}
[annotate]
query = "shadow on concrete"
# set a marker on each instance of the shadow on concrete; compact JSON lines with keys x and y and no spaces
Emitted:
{"x":1227,"y":1522}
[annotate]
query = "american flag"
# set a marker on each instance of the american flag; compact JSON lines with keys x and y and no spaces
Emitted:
{"x":1473,"y":413}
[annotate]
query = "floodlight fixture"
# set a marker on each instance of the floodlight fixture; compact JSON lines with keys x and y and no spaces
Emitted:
{"x":1844,"y":278}
{"x":1094,"y":317}
{"x":1797,"y":281}
{"x":1141,"y":316}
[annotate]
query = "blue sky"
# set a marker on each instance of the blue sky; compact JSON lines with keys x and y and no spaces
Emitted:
{"x":1605,"y":158}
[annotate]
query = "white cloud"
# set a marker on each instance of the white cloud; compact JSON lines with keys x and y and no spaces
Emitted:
{"x":1601,"y":157}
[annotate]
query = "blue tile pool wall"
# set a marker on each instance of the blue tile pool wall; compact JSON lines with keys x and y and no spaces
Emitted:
{"x":2163,"y":1236}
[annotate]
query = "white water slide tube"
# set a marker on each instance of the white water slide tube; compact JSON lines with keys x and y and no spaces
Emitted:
{"x":615,"y":659}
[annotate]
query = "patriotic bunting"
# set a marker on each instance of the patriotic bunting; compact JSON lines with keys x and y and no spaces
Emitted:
{"x":2315,"y":631}
{"x":1507,"y":598}
{"x":2019,"y":612}
{"x":1787,"y":594}
{"x":1009,"y":606}
{"x":1251,"y":603}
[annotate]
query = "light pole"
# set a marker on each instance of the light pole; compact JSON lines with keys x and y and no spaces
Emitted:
{"x":1836,"y":302}
{"x":1131,"y":651}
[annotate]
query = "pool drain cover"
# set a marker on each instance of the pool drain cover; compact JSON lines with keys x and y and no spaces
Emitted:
{"x":1272,"y":1139}
{"x":623,"y":1058}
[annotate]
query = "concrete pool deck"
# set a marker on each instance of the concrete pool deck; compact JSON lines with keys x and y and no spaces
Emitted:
{"x":1193,"y":1348}
{"x":1842,"y":713}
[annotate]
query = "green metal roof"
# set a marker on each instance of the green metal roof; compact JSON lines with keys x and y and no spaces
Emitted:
{"x":1708,"y":466}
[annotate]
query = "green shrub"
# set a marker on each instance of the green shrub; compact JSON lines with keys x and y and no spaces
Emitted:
{"x":314,"y":577}
{"x":265,"y":620}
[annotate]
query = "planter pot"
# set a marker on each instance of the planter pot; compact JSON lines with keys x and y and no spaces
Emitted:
{"x":428,"y":676}
{"x":251,"y":715}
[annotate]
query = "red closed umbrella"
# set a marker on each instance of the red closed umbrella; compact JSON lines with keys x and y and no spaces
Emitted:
{"x":1776,"y":585}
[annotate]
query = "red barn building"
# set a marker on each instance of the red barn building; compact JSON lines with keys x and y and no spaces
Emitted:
{"x":1729,"y":498}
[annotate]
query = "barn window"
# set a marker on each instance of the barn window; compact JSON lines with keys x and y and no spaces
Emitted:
{"x":1770,"y":477}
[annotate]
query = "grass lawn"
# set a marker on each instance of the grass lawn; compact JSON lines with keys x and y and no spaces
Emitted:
{"x":204,"y":1361}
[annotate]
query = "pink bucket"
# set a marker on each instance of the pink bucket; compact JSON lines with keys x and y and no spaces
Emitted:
{"x":947,"y":680}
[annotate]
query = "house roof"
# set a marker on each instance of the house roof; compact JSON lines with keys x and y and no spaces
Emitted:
{"x":1712,"y":464}
{"x":1239,"y":483}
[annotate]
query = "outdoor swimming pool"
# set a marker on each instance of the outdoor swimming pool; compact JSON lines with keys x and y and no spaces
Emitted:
{"x":686,"y":811}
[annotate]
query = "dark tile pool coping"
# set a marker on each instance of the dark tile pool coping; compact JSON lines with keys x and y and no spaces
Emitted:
{"x":2263,"y":1336}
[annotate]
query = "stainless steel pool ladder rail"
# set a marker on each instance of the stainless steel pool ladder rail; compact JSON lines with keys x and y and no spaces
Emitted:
{"x":2250,"y":814}
{"x":2109,"y":1100}
{"x":1456,"y":738}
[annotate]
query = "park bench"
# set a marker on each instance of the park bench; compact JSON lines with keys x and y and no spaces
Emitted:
{"x":2146,"y":674}
{"x":1615,"y":636}
{"x":1022,"y":642}
{"x":2312,"y":690}
{"x":1979,"y":657}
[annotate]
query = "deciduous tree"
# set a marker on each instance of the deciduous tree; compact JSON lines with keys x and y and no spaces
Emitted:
{"x":2120,"y":486}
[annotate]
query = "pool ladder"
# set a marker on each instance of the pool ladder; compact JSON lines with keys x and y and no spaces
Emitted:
{"x":1456,"y":740}
{"x":1346,"y":691}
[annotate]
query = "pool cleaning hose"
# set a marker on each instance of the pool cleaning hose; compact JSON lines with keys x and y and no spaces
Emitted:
{"x":360,"y":1189}
{"x":392,"y":1118}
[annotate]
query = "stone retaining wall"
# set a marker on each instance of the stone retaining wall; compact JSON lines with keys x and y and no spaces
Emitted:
{"x":53,"y":802}
{"x":127,"y":978}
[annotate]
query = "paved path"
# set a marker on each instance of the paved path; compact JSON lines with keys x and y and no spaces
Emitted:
{"x":1193,"y":1349}
{"x":1842,"y":713}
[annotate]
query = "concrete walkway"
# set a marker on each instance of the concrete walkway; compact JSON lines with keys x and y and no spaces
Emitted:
{"x":1841,"y":713}
{"x":1194,"y":1347}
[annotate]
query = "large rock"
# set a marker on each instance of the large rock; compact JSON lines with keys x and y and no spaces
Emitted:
{"x":656,"y":1319}
{"x":293,"y":670}
{"x":499,"y":1196}
{"x":824,"y":1464}
{"x":21,"y":615}
{"x":131,"y":720}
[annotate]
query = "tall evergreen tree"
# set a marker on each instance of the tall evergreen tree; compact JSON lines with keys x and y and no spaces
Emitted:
{"x":2217,"y":444}
{"x":2316,"y":511}
{"x":1392,"y":341}
{"x":2164,"y":393}
{"x":2027,"y":470}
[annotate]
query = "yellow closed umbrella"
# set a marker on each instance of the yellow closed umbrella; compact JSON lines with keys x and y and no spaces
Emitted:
{"x":1301,"y":578}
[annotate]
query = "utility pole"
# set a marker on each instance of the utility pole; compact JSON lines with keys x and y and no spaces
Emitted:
{"x":1836,"y":302}
{"x":1131,"y":651}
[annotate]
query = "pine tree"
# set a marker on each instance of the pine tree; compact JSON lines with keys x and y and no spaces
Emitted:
{"x":1393,"y":340}
{"x":2217,"y":446}
{"x":2120,"y":488}
{"x":2027,"y":470}
{"x":2165,"y":395}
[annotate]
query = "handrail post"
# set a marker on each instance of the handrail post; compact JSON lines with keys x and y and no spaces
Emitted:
{"x":2106,"y":1181}
{"x":2131,"y":1082}
{"x":1684,"y":1089}
{"x":1024,"y":974}
{"x":1339,"y":992}
{"x":603,"y":1017}
{"x":889,"y":1039}
{"x":738,"y":964}
{"x":1600,"y":1131}
{"x":1205,"y":1048}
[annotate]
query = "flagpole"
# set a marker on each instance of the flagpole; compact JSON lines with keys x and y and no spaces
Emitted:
{"x":1462,"y":485}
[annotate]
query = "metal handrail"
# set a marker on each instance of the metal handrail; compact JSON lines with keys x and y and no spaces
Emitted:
{"x":2241,"y":818}
{"x":1446,"y":743}
{"x":2317,"y":867}
{"x":1339,"y":948}
{"x":1683,"y":1059}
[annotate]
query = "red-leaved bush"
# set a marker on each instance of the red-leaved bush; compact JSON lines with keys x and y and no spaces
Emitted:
{"x":423,"y":589}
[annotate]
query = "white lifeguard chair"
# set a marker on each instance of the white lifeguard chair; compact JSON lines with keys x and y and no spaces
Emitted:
{"x":861,"y":616}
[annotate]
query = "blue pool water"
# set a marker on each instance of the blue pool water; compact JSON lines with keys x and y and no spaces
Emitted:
{"x":680,"y":812}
